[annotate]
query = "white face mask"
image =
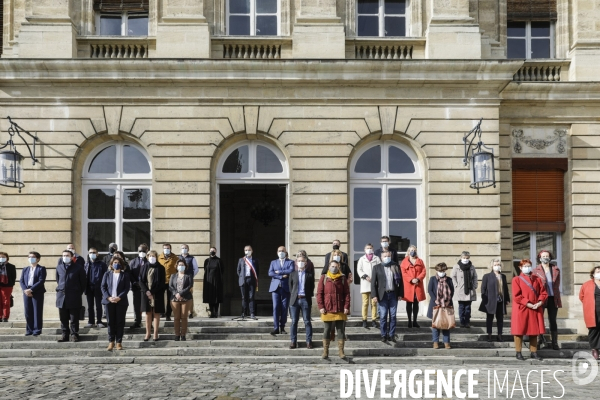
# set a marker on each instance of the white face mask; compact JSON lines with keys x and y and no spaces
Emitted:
{"x":597,"y":276}
{"x":497,"y":268}
{"x":526,"y":269}
{"x":281,"y":254}
{"x":248,"y":252}
{"x":387,"y":260}
{"x":336,"y":258}
{"x":301,"y":264}
{"x":166,"y":252}
{"x":152,"y":260}
{"x":441,"y":274}
{"x":93,"y":256}
{"x":184,"y":251}
{"x":66,"y":260}
{"x":385,"y":244}
{"x":142,"y":254}
{"x":464,"y":260}
{"x":181,"y":268}
{"x":368,"y":251}
{"x":2,"y":259}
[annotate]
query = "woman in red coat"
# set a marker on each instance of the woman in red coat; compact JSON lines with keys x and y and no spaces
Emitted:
{"x":590,"y":297}
{"x":413,"y":274}
{"x":529,"y":296}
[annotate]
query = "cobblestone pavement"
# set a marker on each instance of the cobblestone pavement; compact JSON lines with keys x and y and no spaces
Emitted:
{"x":247,"y":381}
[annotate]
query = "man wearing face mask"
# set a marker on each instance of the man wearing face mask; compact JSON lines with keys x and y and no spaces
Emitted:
{"x":385,"y":246}
{"x":464,"y":278}
{"x":78,"y":259}
{"x":111,"y":252}
{"x":302,"y":286}
{"x":71,"y":283}
{"x":95,"y":270}
{"x":328,"y":256}
{"x":279,"y":271}
{"x":550,"y":277}
{"x":191,"y":271}
{"x":135,"y":267}
{"x":387,"y":288}
{"x":169,"y":261}
{"x":247,"y":271}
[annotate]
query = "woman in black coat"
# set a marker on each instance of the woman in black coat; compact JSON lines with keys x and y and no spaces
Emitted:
{"x":212,"y":293}
{"x":115,"y":286}
{"x":152,"y":284}
{"x":432,"y":289}
{"x":494,"y":298}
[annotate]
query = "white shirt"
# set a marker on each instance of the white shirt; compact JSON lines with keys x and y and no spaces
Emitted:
{"x":389,"y":278}
{"x":248,"y":272}
{"x":301,"y":280}
{"x":31,"y":274}
{"x":115,"y":282}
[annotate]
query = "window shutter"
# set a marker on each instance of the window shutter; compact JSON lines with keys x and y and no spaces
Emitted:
{"x":121,"y":5}
{"x":538,"y":200}
{"x":519,"y":10}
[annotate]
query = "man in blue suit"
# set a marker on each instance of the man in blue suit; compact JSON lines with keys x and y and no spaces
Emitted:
{"x":279,"y":271}
{"x":71,"y":282}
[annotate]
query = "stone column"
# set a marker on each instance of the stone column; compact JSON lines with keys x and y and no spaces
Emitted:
{"x":318,"y":31}
{"x":183,"y":31}
{"x":585,"y":46}
{"x":451,"y":32}
{"x":49,"y":31}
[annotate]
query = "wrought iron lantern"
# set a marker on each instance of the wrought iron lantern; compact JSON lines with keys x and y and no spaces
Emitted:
{"x":11,"y":168}
{"x":480,"y":158}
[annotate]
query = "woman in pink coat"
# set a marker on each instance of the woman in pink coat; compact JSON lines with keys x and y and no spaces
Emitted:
{"x":529,"y":296}
{"x":413,"y":274}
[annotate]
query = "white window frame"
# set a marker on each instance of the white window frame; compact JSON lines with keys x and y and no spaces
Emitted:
{"x":252,"y":175}
{"x":253,"y":14}
{"x":533,"y":252}
{"x":528,"y":39}
{"x":124,"y":22}
{"x":381,"y":19}
{"x":118,"y":182}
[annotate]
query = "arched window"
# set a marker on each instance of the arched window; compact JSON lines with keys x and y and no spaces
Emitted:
{"x":252,"y":160}
{"x":117,"y":198}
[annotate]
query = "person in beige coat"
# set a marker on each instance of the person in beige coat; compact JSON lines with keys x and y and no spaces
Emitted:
{"x":464,"y":278}
{"x":364,"y":269}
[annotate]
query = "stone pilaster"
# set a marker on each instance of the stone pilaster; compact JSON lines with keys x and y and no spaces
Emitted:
{"x":318,"y":31}
{"x":451,"y":32}
{"x":585,"y":48}
{"x":183,"y":31}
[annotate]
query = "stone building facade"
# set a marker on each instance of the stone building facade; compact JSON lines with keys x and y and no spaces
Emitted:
{"x":192,"y":132}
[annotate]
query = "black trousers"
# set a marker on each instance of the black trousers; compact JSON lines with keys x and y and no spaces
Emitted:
{"x":94,"y":296}
{"x":489,"y":319}
{"x":214,"y":309}
{"x":69,"y":316}
{"x":168,"y":305}
{"x":137,"y":305}
{"x":116,"y":321}
{"x":552,"y":312}
{"x":248,"y":289}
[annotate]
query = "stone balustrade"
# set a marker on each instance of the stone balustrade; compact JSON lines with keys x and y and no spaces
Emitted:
{"x":542,"y":71}
{"x":385,"y":48}
{"x":253,"y":48}
{"x":115,"y":47}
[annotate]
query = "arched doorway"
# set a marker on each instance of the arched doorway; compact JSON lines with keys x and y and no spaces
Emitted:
{"x":385,"y":199}
{"x":252,"y":209}
{"x":117,"y":198}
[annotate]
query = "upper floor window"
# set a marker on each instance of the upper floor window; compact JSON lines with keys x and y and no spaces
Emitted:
{"x":121,"y":17}
{"x":253,"y":17}
{"x":530,"y":39}
{"x":381,"y":17}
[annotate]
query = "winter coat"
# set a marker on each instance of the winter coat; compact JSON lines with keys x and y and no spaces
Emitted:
{"x":410,"y":272}
{"x":524,"y":320}
{"x":489,"y":293}
{"x":458,"y":279}
{"x":587,"y":297}
{"x":432,"y":290}
{"x":539,"y":271}
{"x":333,"y":296}
{"x":365,"y":267}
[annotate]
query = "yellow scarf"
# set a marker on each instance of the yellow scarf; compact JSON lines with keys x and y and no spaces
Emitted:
{"x":333,"y":277}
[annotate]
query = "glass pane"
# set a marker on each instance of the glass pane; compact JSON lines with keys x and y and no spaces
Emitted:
{"x":540,"y":29}
{"x":521,"y":245}
{"x":395,"y":26}
{"x":239,"y":6}
{"x":110,"y":26}
{"x":516,"y":48}
{"x":266,"y":161}
{"x":516,"y":29}
{"x":395,"y":6}
{"x":101,"y":234}
{"x":266,"y":6}
{"x":134,"y":162}
{"x":266,"y":25}
{"x":402,"y":203}
{"x":368,"y":6}
{"x":137,"y":26}
{"x":135,"y":233}
{"x":368,"y":26}
{"x":403,"y":234}
{"x":545,"y":241}
{"x":540,"y":48}
{"x":237,"y":162}
{"x":239,"y":25}
{"x":101,"y":203}
{"x":366,"y":232}
{"x":136,"y":204}
{"x":399,"y":162}
{"x":370,"y":161}
{"x":367,"y":203}
{"x":105,"y":162}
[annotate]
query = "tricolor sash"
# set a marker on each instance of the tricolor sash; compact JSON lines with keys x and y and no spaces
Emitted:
{"x":249,"y":264}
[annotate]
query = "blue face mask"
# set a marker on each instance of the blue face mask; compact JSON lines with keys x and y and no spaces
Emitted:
{"x":32,"y":260}
{"x":93,"y":256}
{"x":116,"y":266}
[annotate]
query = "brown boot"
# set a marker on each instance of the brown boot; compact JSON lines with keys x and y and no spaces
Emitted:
{"x":447,"y":345}
{"x":341,"y":348}
{"x":326,"y":348}
{"x":111,"y":346}
{"x":119,"y":346}
{"x":436,"y":345}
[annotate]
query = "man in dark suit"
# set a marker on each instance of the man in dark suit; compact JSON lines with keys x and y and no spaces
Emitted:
{"x":78,"y":259}
{"x":387,"y":289}
{"x":343,"y":259}
{"x":135,"y":267}
{"x":385,"y":246}
{"x":247,"y":271}
{"x":70,"y":286}
{"x":95,"y":270}
{"x":302,"y":287}
{"x":280,"y":271}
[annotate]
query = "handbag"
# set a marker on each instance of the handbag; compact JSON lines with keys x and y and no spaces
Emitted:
{"x":443,"y":318}
{"x":12,"y":301}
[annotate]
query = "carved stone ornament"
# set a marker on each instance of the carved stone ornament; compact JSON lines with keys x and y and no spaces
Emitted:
{"x":558,"y":138}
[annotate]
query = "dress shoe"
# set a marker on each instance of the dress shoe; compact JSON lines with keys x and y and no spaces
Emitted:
{"x":416,"y":325}
{"x":90,"y":326}
{"x":119,"y":346}
{"x":535,"y":356}
{"x":168,"y":319}
{"x":111,"y":345}
{"x":75,"y":338}
{"x":155,"y":339}
{"x":468,"y":326}
{"x":374,"y":324}
{"x":275,"y":332}
{"x":36,"y":334}
{"x":100,"y":325}
{"x":177,"y":338}
{"x":410,"y":324}
{"x":384,"y":339}
{"x":392,"y":338}
{"x":191,"y":316}
{"x":520,"y":356}
{"x":282,"y":331}
{"x":293,"y":345}
{"x":364,"y":324}
{"x":489,"y":339}
{"x":183,"y":339}
{"x":309,"y":345}
{"x":135,"y":326}
{"x":28,"y":334}
{"x":63,"y":339}
{"x":500,"y":338}
{"x":252,"y":316}
{"x":595,"y":353}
